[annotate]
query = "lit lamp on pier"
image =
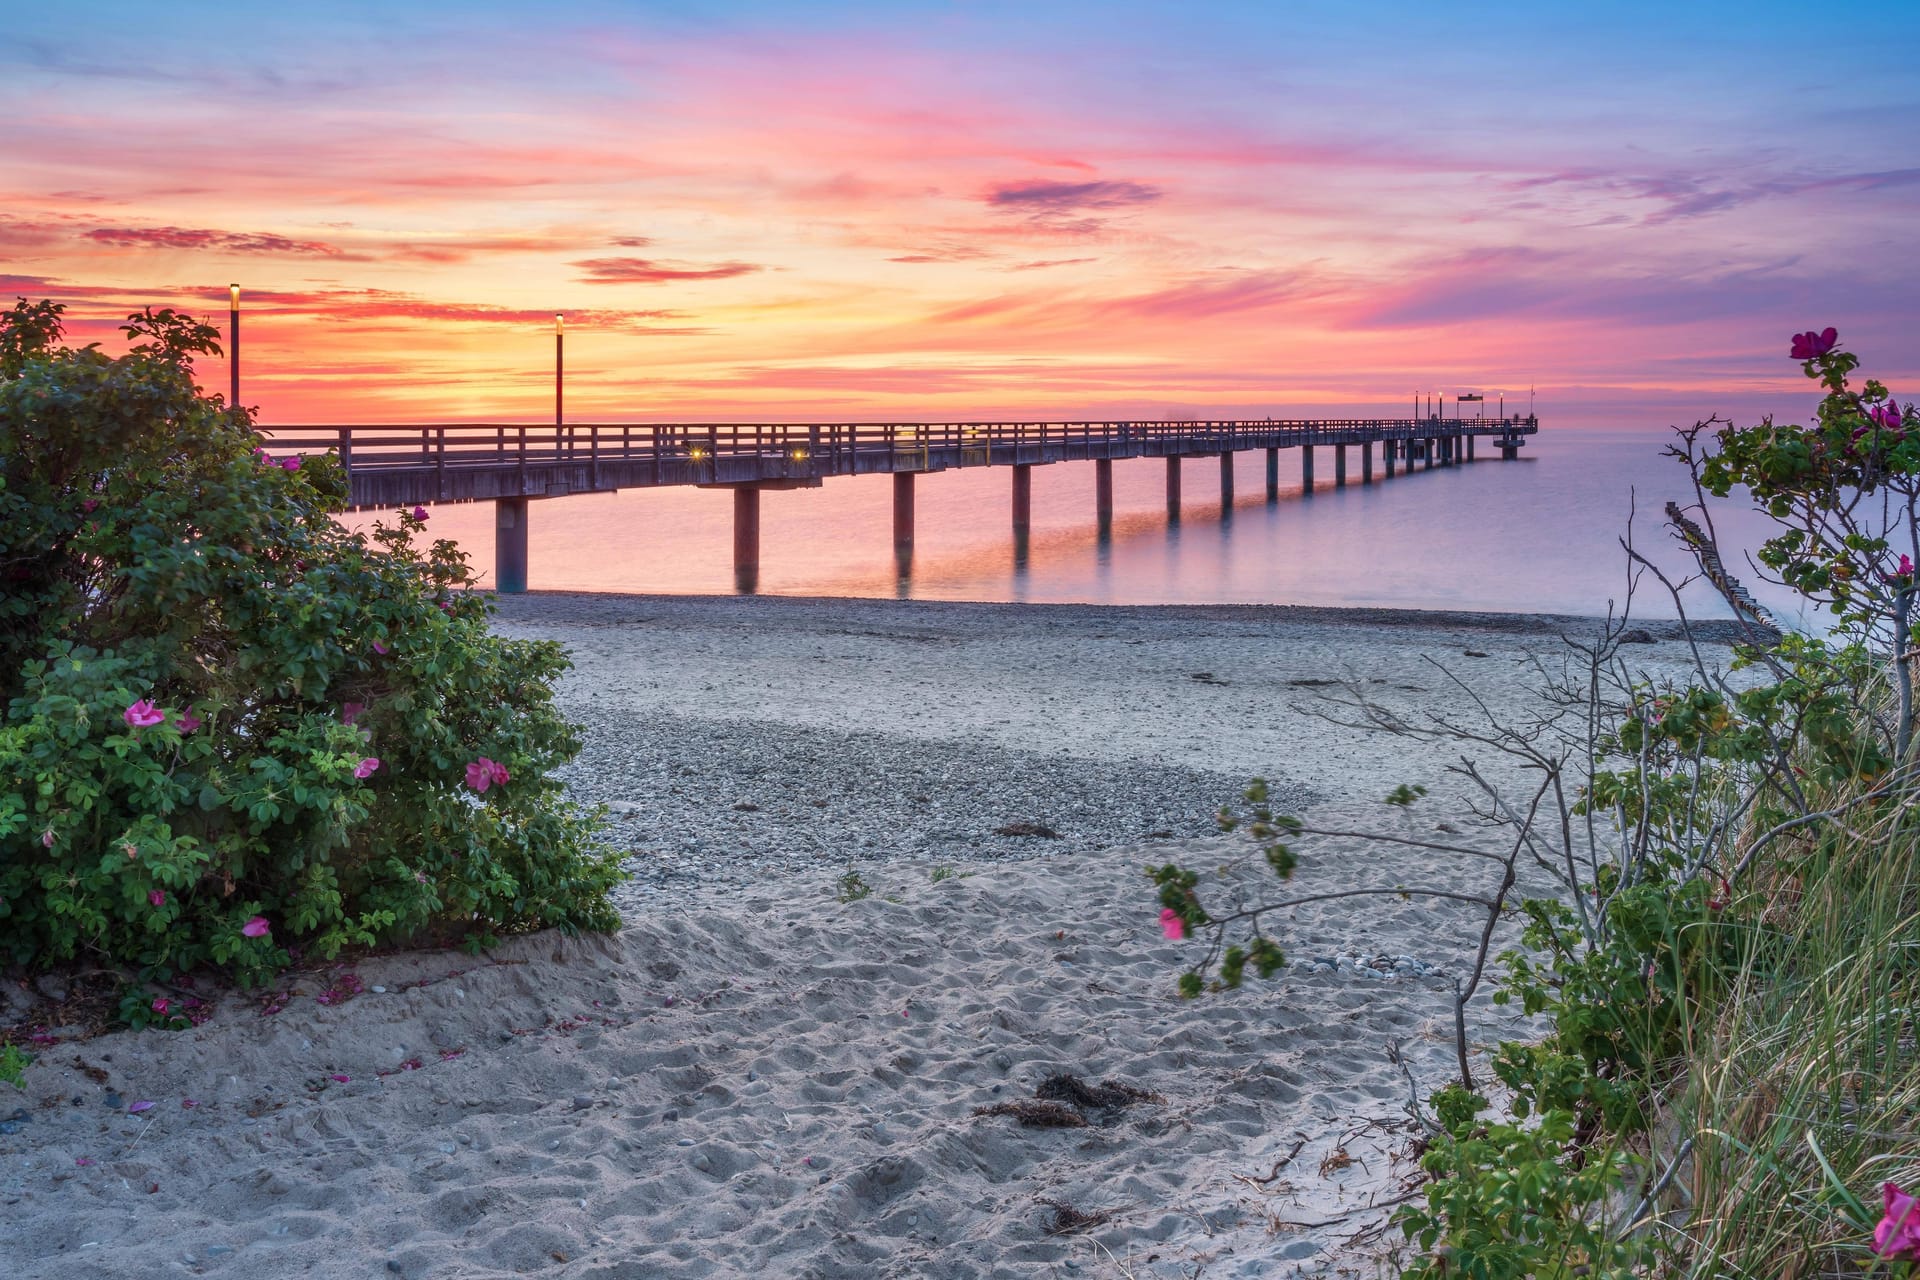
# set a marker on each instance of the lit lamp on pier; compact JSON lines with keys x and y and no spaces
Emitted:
{"x":559,"y":372}
{"x":233,"y":346}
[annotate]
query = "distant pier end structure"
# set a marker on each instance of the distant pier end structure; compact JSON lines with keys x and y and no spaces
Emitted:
{"x":512,"y":465}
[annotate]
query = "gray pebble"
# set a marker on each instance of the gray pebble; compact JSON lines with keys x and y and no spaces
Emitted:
{"x":686,"y":1142}
{"x":581,"y":1102}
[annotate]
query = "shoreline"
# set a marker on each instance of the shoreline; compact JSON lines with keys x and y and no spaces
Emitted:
{"x":1709,"y":631}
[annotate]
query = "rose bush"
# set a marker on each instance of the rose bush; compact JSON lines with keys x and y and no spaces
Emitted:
{"x":231,"y":727}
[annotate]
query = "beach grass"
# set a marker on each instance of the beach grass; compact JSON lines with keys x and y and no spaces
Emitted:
{"x":1802,"y":1085}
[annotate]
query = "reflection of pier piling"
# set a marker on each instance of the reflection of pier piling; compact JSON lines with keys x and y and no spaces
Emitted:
{"x":511,"y":465}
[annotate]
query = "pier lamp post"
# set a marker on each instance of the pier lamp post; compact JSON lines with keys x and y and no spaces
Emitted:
{"x":233,"y":346}
{"x":559,"y":371}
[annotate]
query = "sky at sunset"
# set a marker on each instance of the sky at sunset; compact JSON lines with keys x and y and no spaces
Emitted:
{"x":831,"y":211}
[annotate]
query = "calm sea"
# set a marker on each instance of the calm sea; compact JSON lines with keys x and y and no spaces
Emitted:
{"x":1539,"y":534}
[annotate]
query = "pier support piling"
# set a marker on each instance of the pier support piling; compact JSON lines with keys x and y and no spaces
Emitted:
{"x":1470,"y":440}
{"x":1339,"y":466}
{"x":1366,"y":462}
{"x":1273,"y":475}
{"x":1426,"y":461}
{"x":1386,"y":456}
{"x":510,"y":545}
{"x":903,"y":515}
{"x":1173,"y":490}
{"x":746,"y":539}
{"x":1022,"y":498}
{"x":1103,"y":494}
{"x":1226,"y":483}
{"x":1306,"y":470}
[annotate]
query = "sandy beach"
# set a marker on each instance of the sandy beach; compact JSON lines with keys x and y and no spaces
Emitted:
{"x":757,"y":1077}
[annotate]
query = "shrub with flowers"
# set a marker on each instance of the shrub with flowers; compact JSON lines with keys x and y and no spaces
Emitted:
{"x":232,"y":728}
{"x":1722,"y":979}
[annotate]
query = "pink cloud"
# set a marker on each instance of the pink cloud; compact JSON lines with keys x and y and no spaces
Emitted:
{"x":652,"y":271}
{"x":1044,"y":263}
{"x":209,"y":240}
{"x":1067,"y":197}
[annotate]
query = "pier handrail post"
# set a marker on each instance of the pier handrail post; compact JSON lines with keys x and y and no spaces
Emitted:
{"x":346,"y":451}
{"x":440,"y":462}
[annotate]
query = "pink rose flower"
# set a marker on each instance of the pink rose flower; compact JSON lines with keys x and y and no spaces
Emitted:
{"x":256,"y":927}
{"x":1811,"y":345}
{"x":420,"y":513}
{"x":46,"y":838}
{"x":1898,"y":1235}
{"x":187,"y":722}
{"x":351,"y":711}
{"x":379,"y":648}
{"x":143,"y":714}
{"x":366,"y":767}
{"x":290,"y":464}
{"x":158,"y":897}
{"x":1171,"y":924}
{"x":160,"y":1005}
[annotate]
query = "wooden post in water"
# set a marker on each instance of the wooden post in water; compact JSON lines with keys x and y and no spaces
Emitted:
{"x":746,"y":539}
{"x":1103,"y":494}
{"x":903,"y":515}
{"x":1366,"y":462}
{"x":1386,"y":456}
{"x":1470,"y":440}
{"x":1022,"y":498}
{"x":1273,"y":475}
{"x":510,"y":546}
{"x":1339,"y":466}
{"x":1226,"y":483}
{"x":1306,"y":470}
{"x":1173,"y":489}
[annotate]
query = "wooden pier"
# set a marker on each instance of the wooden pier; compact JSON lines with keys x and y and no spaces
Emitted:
{"x":512,"y":465}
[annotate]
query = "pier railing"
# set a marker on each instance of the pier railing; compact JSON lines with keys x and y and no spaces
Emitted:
{"x":481,"y":461}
